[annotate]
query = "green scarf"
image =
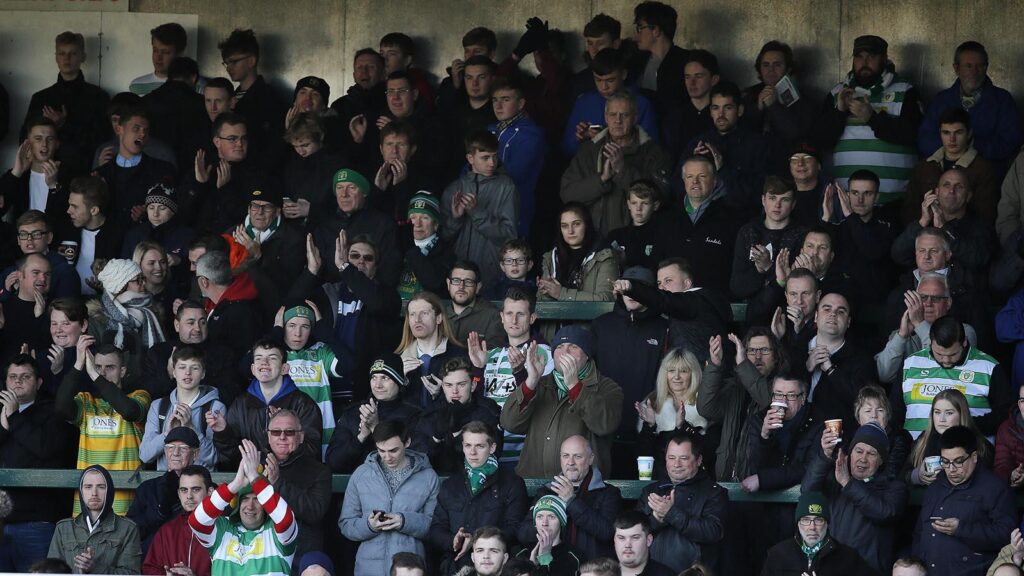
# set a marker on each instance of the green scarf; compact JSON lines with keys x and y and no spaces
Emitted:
{"x":563,"y":390}
{"x":477,"y":476}
{"x":812,"y":551}
{"x":266,"y":233}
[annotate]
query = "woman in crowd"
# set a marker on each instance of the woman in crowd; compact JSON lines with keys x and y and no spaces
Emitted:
{"x":577,"y":268}
{"x":125,"y":314}
{"x":949,"y":408}
{"x":872,"y":405}
{"x":672,"y":405}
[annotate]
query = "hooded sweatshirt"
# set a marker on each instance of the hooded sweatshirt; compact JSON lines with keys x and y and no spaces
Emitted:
{"x":160,"y":410}
{"x":479,"y":233}
{"x":114,"y":541}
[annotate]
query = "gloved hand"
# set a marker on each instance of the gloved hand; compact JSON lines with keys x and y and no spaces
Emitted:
{"x":533,"y":39}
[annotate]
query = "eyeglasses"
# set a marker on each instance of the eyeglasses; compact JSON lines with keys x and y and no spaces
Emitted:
{"x":511,"y":261}
{"x":467,"y":282}
{"x":363,"y":257}
{"x":791,"y":396}
{"x":397,"y":91}
{"x":233,"y":61}
{"x":800,"y":158}
{"x":260,"y":208}
{"x":177,"y":449}
{"x":35,"y":235}
{"x":640,"y":27}
{"x":933,"y":299}
{"x":235,"y":139}
{"x":817,"y":521}
{"x":759,"y":351}
{"x":955,"y":464}
{"x":286,"y":432}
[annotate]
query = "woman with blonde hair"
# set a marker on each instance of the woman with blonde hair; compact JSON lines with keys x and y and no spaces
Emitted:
{"x":428,"y":341}
{"x":872,"y":405}
{"x":154,"y":262}
{"x":670,"y":406}
{"x":949,"y":408}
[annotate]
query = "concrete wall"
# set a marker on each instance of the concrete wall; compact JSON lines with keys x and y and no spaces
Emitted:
{"x":301,"y":37}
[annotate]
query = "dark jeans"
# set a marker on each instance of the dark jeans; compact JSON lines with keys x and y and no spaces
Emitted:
{"x":25,"y":544}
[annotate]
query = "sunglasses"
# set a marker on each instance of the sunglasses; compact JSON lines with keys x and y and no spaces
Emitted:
{"x":286,"y":432}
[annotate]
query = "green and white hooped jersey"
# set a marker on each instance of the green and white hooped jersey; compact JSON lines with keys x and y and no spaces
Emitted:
{"x":311,"y":369}
{"x":923,"y":378}
{"x":499,"y":383}
{"x":859,"y":148}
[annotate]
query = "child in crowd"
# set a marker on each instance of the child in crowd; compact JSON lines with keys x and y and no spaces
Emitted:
{"x":646,"y":241}
{"x":481,"y":208}
{"x":187,"y":405}
{"x":516,"y":262}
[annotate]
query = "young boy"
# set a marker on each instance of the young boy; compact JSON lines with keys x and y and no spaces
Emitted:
{"x":187,"y":406}
{"x":481,"y":208}
{"x":109,"y":419}
{"x":647,"y":240}
{"x":516,"y":261}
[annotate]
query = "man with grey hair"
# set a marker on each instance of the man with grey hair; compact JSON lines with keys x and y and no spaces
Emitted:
{"x":945,"y":208}
{"x":235,"y":316}
{"x":933,"y":252}
{"x":929,"y":302}
{"x":601,"y":172}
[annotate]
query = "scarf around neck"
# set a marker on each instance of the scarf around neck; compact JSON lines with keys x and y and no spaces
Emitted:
{"x":812,"y":551}
{"x":262,"y":237}
{"x":478,"y":476}
{"x":133,"y":312}
{"x":563,"y":389}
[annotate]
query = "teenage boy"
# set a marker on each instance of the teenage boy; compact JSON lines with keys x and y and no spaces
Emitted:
{"x":648,"y":238}
{"x":168,"y":41}
{"x":187,"y":406}
{"x":37,"y":181}
{"x":132,"y":172}
{"x":75,"y":106}
{"x":516,"y":262}
{"x":760,"y":242}
{"x":481,"y":208}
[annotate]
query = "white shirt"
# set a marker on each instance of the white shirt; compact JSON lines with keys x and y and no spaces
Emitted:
{"x":86,"y":255}
{"x":38,"y":191}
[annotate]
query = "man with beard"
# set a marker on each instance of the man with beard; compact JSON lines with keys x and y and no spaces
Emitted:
{"x":871,"y":120}
{"x":813,"y":549}
{"x":591,"y":503}
{"x":466,"y":312}
{"x":490,"y":552}
{"x":951,"y":361}
{"x":997,"y":134}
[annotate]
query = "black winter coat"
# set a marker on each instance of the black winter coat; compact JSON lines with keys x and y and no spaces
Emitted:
{"x":502,"y":502}
{"x":345,"y":453}
{"x":693,"y":527}
{"x":628,"y":349}
{"x":780,"y":461}
{"x":305,"y":484}
{"x":708,"y":244}
{"x":38,"y":437}
{"x":434,"y":433}
{"x":695,"y":316}
{"x":834,"y":559}
{"x":129,"y":186}
{"x":591,"y":515}
{"x":864,"y":514}
{"x":380,"y":227}
{"x":87,"y":123}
